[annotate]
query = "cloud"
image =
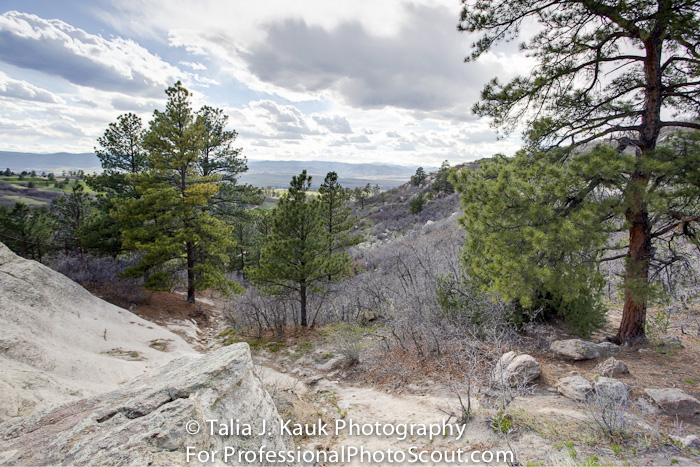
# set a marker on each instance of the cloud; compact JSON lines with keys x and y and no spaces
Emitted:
{"x":194,"y":65}
{"x":420,"y":67}
{"x":59,"y":49}
{"x":19,"y":89}
{"x":285,"y":121}
{"x":335,"y":124}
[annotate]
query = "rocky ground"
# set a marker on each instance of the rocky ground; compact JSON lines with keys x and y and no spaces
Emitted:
{"x":569,"y":402}
{"x":553,"y":420}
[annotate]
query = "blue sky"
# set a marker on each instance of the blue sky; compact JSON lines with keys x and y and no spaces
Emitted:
{"x":305,"y":80}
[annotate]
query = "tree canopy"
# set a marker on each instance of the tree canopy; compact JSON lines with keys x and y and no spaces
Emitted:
{"x":604,"y":69}
{"x":298,"y":253}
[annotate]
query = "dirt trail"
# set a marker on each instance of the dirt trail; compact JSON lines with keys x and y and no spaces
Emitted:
{"x":354,"y":409}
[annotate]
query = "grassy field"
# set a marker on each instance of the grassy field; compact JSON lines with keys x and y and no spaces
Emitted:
{"x":37,"y":191}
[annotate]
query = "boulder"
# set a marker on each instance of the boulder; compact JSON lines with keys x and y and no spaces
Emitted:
{"x":612,"y":367}
{"x":577,"y":349}
{"x":691,"y":442}
{"x":669,"y":340}
{"x":675,"y":401}
{"x":61,"y":343}
{"x":513,"y":370}
{"x":153,"y":419}
{"x":575,"y":388}
{"x":610,"y":388}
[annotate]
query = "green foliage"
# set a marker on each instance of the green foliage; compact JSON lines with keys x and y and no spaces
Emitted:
{"x":442,"y":182}
{"x":502,"y":423}
{"x":419,"y":176}
{"x":70,"y":214}
{"x":625,"y":71}
{"x":362,"y":194}
{"x":295,"y":256}
{"x":170,"y":218}
{"x":527,"y":243}
{"x":121,"y":146}
{"x":26,"y":231}
{"x":335,"y":215}
{"x":417,"y":203}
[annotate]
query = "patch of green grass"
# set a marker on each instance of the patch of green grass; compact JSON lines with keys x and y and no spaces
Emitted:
{"x":689,"y":381}
{"x":502,"y":423}
{"x":305,"y":347}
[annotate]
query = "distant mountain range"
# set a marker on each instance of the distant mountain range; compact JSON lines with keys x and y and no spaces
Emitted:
{"x":276,"y":174}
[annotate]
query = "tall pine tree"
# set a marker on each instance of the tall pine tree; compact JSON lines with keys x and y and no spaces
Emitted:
{"x":295,"y":257}
{"x":170,"y":220}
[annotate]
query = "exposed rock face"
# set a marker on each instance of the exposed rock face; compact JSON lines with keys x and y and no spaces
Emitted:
{"x":578,"y":349}
{"x":675,"y":401}
{"x":144,"y":422}
{"x":611,"y":388}
{"x":513,"y":369}
{"x":575,"y":387}
{"x":59,"y":342}
{"x":612,"y":367}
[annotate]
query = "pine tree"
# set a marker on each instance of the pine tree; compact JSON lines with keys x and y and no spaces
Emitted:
{"x":419,"y":176}
{"x":295,"y":255}
{"x":170,"y":220}
{"x":26,"y":231}
{"x":442,"y":182}
{"x":335,"y":214}
{"x":70,"y":213}
{"x":603,"y":69}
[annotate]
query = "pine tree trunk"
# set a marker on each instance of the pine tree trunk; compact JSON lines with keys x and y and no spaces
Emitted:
{"x":302,"y":299}
{"x":191,"y":290}
{"x":637,"y":269}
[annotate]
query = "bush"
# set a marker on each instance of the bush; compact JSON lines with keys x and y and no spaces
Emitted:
{"x":347,"y":341}
{"x":416,"y":204}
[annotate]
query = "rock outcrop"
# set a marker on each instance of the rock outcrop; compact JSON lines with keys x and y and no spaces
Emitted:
{"x":577,"y":349}
{"x":514,"y":370}
{"x":59,"y":342}
{"x":612,"y":367}
{"x":153,"y":419}
{"x":610,"y":388}
{"x":575,"y":387}
{"x":675,"y":401}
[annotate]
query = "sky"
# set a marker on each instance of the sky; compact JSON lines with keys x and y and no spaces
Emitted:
{"x":361,"y":81}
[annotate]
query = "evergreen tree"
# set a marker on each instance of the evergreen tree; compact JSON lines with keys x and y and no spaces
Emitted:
{"x":335,"y":214}
{"x":26,"y":231}
{"x":418,"y":178}
{"x":170,"y":220}
{"x":295,"y":255}
{"x":70,"y":214}
{"x":442,"y":182}
{"x":417,"y":203}
{"x":604,"y":69}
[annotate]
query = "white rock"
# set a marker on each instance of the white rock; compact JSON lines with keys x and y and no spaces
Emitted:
{"x":611,"y":388}
{"x":150,"y":421}
{"x":612,"y":367}
{"x":675,"y":401}
{"x":513,"y":370}
{"x":578,"y":349}
{"x":575,"y":388}
{"x":60,"y":343}
{"x":691,"y":441}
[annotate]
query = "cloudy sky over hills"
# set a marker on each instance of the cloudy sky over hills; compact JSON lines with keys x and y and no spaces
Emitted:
{"x":361,"y":81}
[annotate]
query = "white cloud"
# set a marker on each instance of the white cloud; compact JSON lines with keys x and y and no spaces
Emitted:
{"x":57,"y":48}
{"x":20,"y":89}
